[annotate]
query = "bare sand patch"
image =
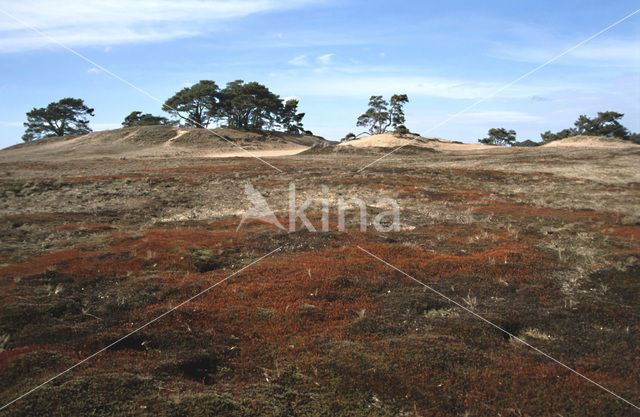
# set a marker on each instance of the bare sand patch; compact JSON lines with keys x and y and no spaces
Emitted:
{"x":591,"y":142}
{"x":390,"y":140}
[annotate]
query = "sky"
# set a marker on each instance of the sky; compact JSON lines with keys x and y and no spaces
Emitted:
{"x":450,"y":58}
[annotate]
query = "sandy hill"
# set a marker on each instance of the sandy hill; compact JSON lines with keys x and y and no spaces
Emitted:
{"x":161,"y":142}
{"x":390,"y":140}
{"x":591,"y":142}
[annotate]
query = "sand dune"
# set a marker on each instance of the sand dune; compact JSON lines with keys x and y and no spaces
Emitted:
{"x":390,"y":140}
{"x":591,"y":142}
{"x":162,"y":142}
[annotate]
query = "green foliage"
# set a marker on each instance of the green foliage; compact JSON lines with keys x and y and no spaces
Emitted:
{"x":402,"y":130}
{"x":137,"y":118}
{"x":249,"y":106}
{"x":242,"y":105}
{"x":526,"y":143}
{"x":548,"y":136}
{"x":68,"y":116}
{"x":381,"y":115}
{"x":499,"y":136}
{"x":289,"y":118}
{"x":396,"y":113}
{"x":604,"y":124}
{"x":348,"y":136}
{"x":199,"y":102}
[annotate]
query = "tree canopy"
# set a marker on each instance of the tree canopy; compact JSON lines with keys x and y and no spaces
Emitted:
{"x":604,"y":124}
{"x":289,"y":118}
{"x":137,"y":118}
{"x":382,"y":114}
{"x":241,"y":105}
{"x":69,"y":116}
{"x":526,"y":143}
{"x":349,"y":136}
{"x":200,"y":102}
{"x":249,"y":106}
{"x":499,"y":136}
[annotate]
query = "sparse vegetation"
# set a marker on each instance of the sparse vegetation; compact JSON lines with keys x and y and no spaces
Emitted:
{"x":547,"y":250}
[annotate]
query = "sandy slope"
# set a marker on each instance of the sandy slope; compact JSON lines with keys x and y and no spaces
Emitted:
{"x":591,"y":142}
{"x":161,"y":142}
{"x":262,"y":153}
{"x":389,"y":140}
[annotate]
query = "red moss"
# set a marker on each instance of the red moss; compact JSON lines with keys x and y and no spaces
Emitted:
{"x":410,"y":190}
{"x":157,"y":248}
{"x":631,"y":232}
{"x":40,"y":264}
{"x":9,"y":355}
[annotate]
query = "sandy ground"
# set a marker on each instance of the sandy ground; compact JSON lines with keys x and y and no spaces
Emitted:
{"x":591,"y":142}
{"x":259,"y":153}
{"x":161,"y":142}
{"x":389,"y":140}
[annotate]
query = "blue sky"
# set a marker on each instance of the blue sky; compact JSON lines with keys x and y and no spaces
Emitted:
{"x":332,"y":55}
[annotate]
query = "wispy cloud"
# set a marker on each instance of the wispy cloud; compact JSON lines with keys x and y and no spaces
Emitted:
{"x":355,"y":84}
{"x":325,"y":59}
{"x":498,"y":116}
{"x":95,"y":22}
{"x":10,"y":124}
{"x":610,"y":52}
{"x":300,"y":61}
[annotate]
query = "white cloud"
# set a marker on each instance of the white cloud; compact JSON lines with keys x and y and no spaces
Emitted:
{"x":97,"y":22}
{"x":497,"y":116}
{"x":93,"y":70}
{"x":325,"y":59}
{"x":285,"y":99}
{"x":11,"y":124}
{"x":360,"y":85}
{"x":300,"y":61}
{"x":610,"y":52}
